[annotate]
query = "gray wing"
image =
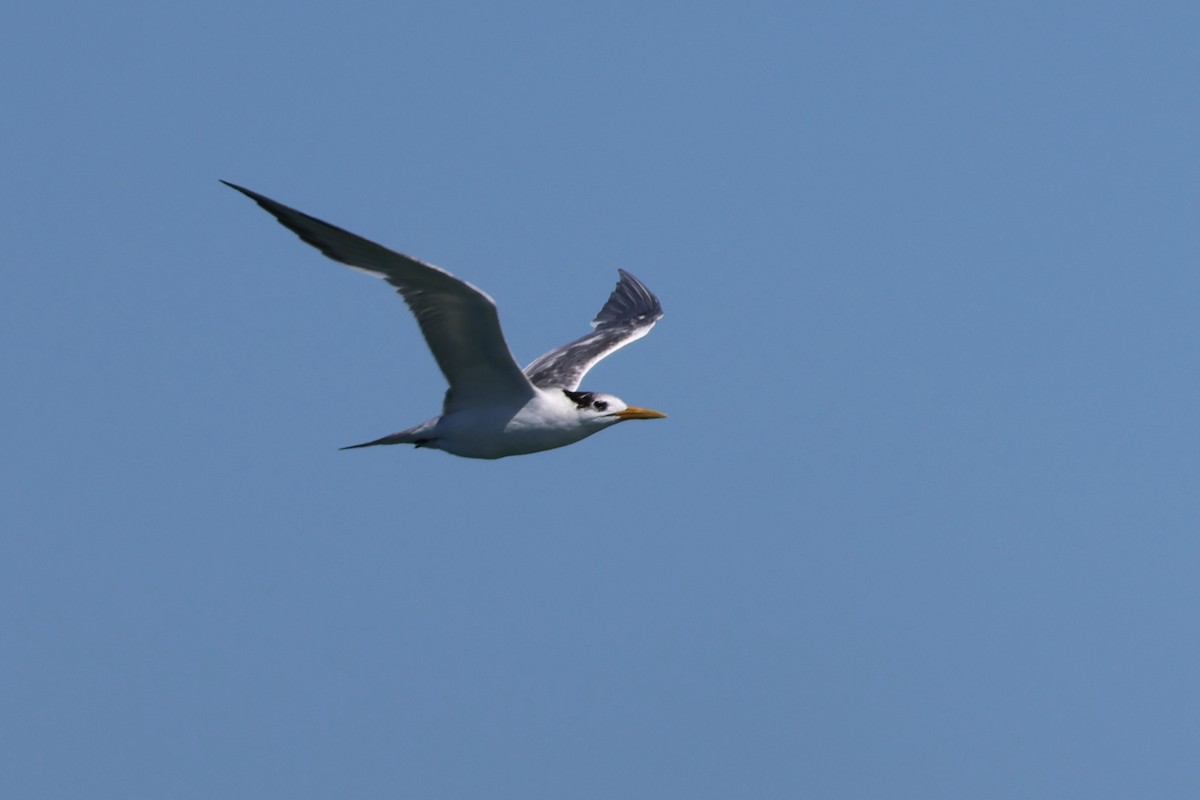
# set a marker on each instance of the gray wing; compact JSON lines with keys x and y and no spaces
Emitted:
{"x":629,"y":314}
{"x":459,"y":322}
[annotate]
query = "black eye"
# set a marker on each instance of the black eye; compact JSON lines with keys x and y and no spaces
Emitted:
{"x":600,"y":405}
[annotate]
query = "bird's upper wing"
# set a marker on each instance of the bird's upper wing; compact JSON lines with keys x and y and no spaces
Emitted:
{"x":459,"y":321}
{"x":629,"y":314}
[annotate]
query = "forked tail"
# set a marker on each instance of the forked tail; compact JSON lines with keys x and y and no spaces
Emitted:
{"x":418,"y":436}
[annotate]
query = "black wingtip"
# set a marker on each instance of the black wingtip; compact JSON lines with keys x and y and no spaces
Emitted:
{"x":630,"y":301}
{"x":252,"y":195}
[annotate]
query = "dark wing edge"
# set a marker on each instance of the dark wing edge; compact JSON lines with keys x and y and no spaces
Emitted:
{"x":459,"y":321}
{"x":628,"y":315}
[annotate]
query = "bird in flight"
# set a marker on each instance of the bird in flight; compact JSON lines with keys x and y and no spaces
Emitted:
{"x":493,"y":408}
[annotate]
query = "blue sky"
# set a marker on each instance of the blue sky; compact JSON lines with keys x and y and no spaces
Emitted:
{"x":922,"y":522}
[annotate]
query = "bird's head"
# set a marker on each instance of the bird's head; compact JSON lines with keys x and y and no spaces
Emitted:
{"x":605,"y":409}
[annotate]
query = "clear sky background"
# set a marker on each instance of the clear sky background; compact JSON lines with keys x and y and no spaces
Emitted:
{"x":922,"y":522}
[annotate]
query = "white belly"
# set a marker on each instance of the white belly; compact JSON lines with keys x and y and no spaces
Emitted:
{"x":495,"y":434}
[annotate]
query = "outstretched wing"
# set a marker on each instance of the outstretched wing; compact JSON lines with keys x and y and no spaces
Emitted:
{"x":629,"y":314}
{"x":459,"y":321}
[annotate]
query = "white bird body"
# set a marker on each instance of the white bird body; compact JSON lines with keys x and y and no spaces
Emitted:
{"x":493,"y":408}
{"x":547,"y":421}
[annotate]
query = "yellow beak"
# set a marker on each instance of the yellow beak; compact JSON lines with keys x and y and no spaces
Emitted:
{"x":633,"y":412}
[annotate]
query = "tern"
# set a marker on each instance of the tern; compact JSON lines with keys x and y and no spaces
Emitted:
{"x":493,"y":408}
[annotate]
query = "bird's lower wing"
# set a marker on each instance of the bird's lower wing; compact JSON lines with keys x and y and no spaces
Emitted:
{"x":459,"y":321}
